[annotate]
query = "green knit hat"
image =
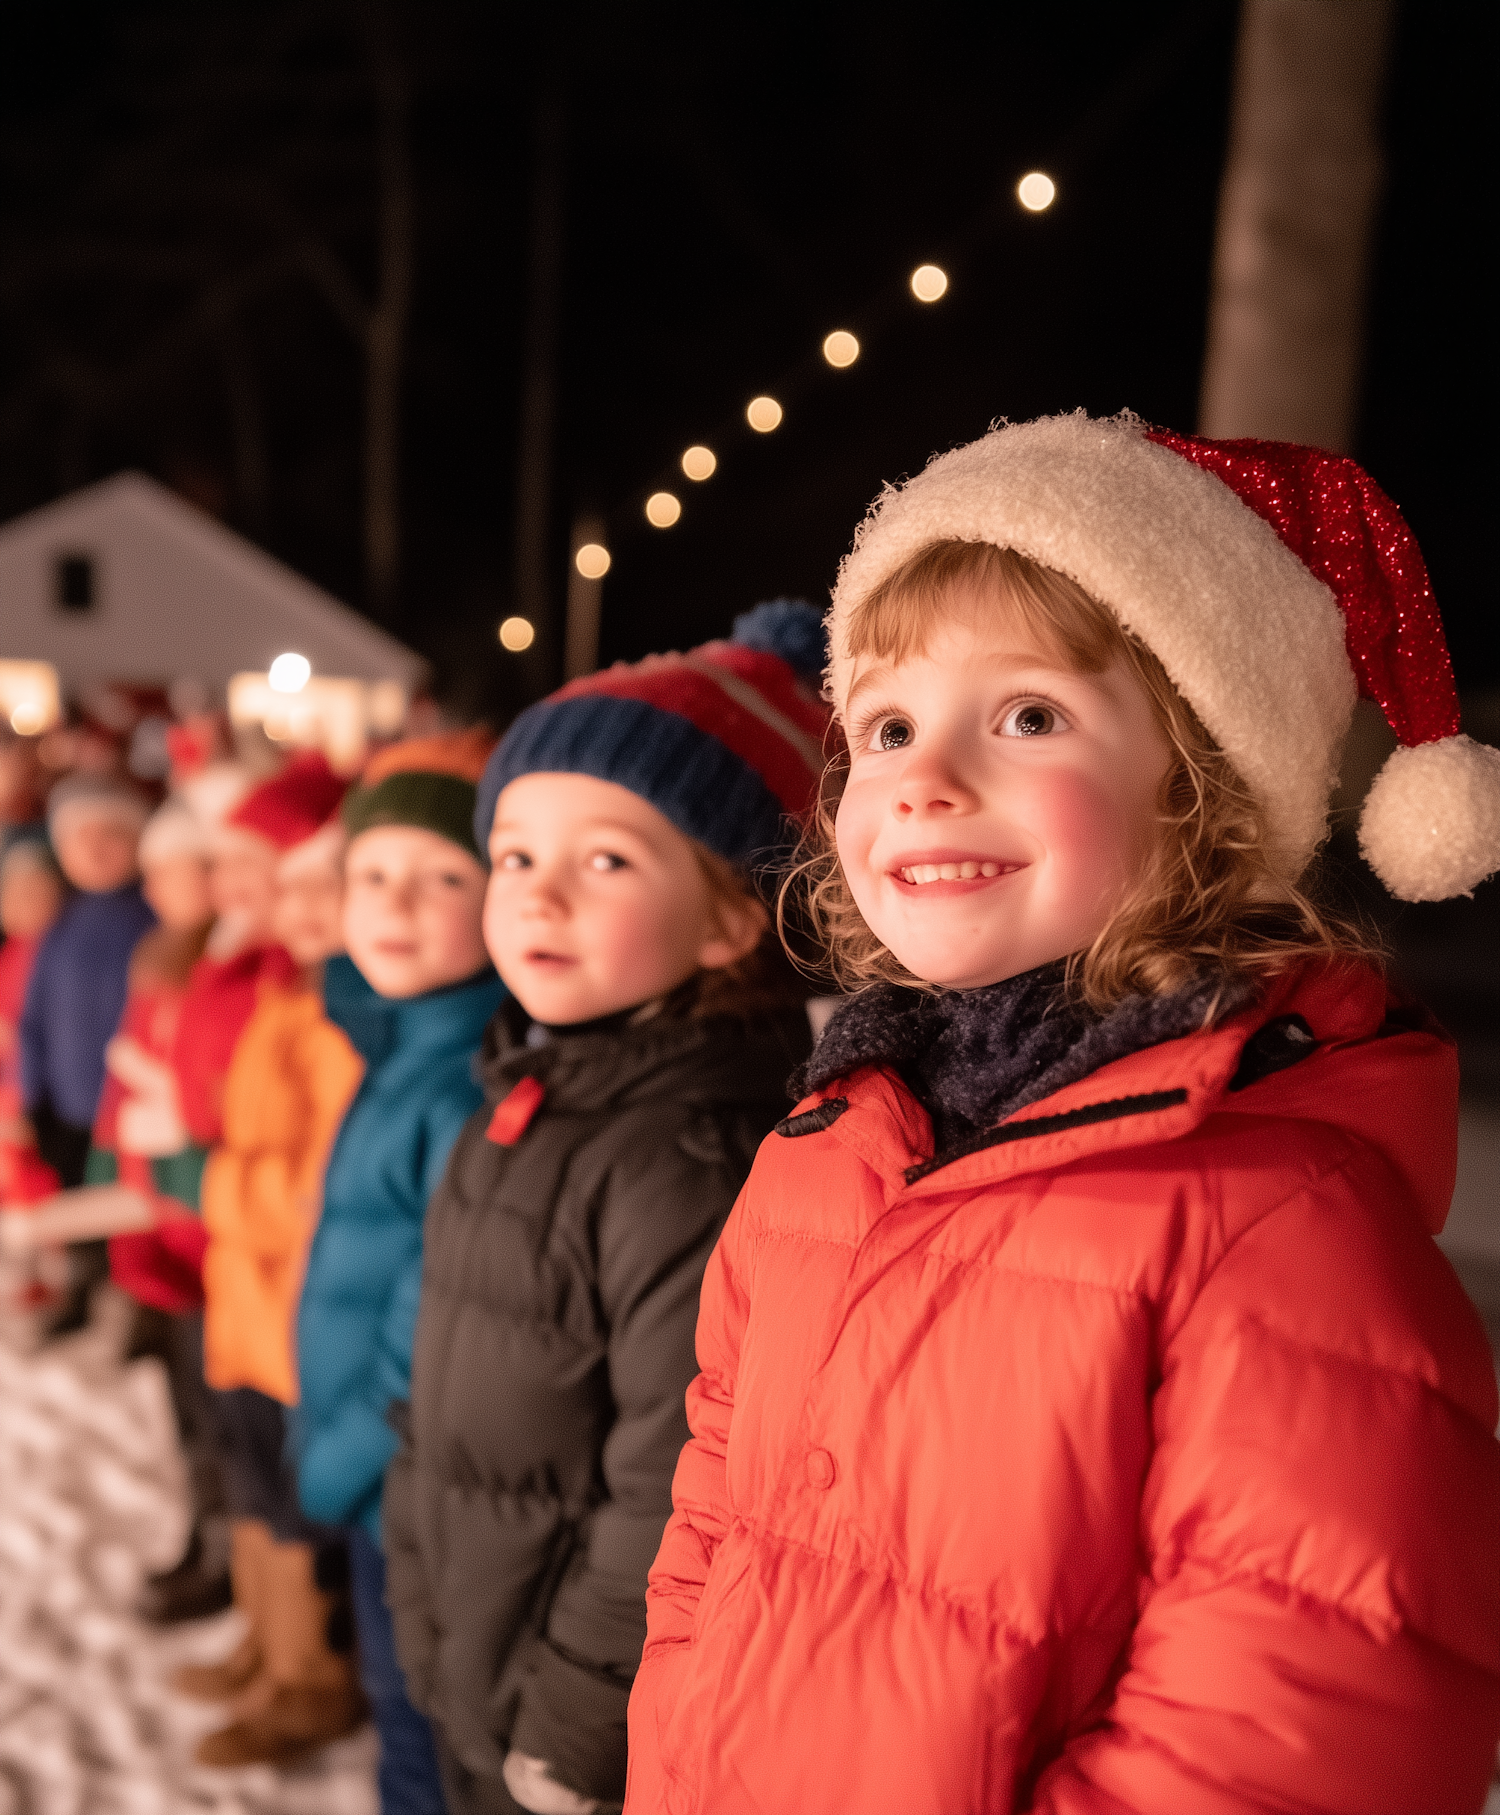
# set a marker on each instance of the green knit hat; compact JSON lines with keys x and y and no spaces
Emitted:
{"x":426,"y":782}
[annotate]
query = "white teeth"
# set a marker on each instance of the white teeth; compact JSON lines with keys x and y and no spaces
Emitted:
{"x":918,"y":873}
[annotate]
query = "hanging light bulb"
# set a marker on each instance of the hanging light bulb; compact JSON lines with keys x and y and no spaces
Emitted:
{"x":1036,"y":191}
{"x":763,"y":414}
{"x":928,"y":283}
{"x":840,"y":349}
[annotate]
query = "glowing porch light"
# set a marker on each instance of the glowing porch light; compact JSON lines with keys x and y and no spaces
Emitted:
{"x":289,"y":673}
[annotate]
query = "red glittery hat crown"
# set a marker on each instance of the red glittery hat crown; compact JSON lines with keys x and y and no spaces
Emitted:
{"x":1342,"y":526}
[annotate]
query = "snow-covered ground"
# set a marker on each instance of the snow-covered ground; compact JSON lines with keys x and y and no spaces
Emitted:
{"x":91,"y":1496}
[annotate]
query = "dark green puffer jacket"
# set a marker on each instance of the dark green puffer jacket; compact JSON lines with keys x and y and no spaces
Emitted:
{"x":554,"y":1346}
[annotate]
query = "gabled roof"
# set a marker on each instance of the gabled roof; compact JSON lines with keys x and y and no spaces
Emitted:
{"x":175,"y":593}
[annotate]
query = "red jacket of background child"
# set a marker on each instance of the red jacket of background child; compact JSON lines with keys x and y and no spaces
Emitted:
{"x":1140,"y":1464}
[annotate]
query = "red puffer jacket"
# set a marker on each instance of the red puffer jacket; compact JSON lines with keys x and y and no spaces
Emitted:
{"x":1139,"y":1462}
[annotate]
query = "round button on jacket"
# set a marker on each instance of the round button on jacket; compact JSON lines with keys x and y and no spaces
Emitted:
{"x":820,"y":1469}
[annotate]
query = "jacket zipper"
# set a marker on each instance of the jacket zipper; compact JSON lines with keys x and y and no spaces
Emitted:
{"x":1113,"y":1111}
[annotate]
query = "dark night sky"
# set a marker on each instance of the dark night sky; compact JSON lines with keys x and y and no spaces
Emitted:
{"x":739,"y":181}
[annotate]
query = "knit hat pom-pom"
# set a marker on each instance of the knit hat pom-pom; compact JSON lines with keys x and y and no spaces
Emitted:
{"x":790,"y":628}
{"x":1431,"y":823}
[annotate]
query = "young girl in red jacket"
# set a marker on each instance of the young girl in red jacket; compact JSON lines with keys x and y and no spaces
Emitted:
{"x":1087,"y":1420}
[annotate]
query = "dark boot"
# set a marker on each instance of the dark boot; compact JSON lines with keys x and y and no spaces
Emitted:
{"x":88,"y":1267}
{"x":196,"y":1587}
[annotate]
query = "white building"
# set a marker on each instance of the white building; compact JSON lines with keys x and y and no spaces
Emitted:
{"x":124,"y":581}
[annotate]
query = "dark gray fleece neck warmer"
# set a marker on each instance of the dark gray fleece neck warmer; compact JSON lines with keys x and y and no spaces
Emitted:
{"x":973,"y":1057}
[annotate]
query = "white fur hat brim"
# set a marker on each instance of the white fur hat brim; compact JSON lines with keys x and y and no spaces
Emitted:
{"x":1247,"y":634}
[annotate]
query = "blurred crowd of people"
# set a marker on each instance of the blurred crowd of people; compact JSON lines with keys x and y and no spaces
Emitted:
{"x":241,"y":1018}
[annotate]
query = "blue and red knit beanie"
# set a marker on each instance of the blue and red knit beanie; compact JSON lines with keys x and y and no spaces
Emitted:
{"x":726,"y":741}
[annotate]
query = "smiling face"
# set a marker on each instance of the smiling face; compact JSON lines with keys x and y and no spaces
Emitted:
{"x":96,"y":851}
{"x":178,"y":890}
{"x":412,"y":905}
{"x":241,"y":881}
{"x":999,"y":802}
{"x":597,"y":902}
{"x":307,"y":915}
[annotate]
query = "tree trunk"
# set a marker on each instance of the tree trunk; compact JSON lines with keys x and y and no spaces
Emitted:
{"x":386,"y":333}
{"x":581,"y":643}
{"x":247,"y":430}
{"x":539,"y":369}
{"x":1295,"y":216}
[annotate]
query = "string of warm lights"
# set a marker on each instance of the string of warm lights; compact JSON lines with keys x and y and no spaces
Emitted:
{"x":764,"y":414}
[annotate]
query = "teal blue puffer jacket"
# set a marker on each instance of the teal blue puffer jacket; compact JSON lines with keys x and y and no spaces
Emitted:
{"x":359,"y":1300}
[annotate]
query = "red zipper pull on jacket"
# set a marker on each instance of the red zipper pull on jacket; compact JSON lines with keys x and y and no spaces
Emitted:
{"x":514,"y":1111}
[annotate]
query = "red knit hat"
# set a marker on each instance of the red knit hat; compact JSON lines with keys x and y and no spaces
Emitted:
{"x":1272,"y":582}
{"x":725,"y":740}
{"x":294,"y":803}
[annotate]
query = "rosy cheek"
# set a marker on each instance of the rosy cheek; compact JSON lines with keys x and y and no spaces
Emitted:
{"x":1088,"y":832}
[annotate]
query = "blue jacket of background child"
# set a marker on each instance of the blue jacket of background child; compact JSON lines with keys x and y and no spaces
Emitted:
{"x":75,"y":998}
{"x":358,"y":1312}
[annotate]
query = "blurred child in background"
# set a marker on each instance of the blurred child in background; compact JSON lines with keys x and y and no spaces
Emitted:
{"x":414,"y":895}
{"x":643,"y":1058}
{"x":291,"y":1079}
{"x":141,"y":1138}
{"x":31,"y":897}
{"x":76,"y":993}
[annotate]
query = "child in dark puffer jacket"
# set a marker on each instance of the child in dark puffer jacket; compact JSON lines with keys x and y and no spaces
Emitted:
{"x":628,"y":1085}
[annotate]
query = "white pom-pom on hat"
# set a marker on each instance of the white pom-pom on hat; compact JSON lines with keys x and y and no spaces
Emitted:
{"x":1431,"y":821}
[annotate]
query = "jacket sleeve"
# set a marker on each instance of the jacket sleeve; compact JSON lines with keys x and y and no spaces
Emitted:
{"x":344,"y":1464}
{"x":701,"y":1508}
{"x":1320,"y":1625}
{"x":655,"y":1234}
{"x":406,"y":1590}
{"x":269,"y":1199}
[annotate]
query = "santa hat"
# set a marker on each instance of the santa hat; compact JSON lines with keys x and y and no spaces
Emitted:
{"x":726,"y":741}
{"x":296,"y":802}
{"x":1274,"y":584}
{"x":425,"y":782}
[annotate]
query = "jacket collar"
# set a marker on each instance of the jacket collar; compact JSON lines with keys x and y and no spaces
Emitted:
{"x":1160,"y":1093}
{"x":694,"y":1060}
{"x":440,"y":1021}
{"x":976,"y":1057}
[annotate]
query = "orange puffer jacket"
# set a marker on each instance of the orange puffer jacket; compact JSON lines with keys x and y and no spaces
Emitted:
{"x":292,"y":1077}
{"x":1140,"y":1463}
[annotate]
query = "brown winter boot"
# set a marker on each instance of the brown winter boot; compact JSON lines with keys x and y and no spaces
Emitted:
{"x":313,"y":1695}
{"x":249,"y":1546}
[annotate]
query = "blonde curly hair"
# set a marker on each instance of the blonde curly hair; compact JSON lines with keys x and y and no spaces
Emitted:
{"x":1209,"y":902}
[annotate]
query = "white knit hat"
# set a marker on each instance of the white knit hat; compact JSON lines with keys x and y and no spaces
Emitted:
{"x":173,"y":830}
{"x":1274,"y":584}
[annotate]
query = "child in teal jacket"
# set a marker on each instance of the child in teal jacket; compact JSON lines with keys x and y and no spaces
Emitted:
{"x":415,"y":1007}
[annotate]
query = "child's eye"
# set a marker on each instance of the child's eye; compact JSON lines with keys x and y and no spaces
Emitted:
{"x":514,"y":860}
{"x":1032,"y":718}
{"x":893,"y":734}
{"x":605,"y":861}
